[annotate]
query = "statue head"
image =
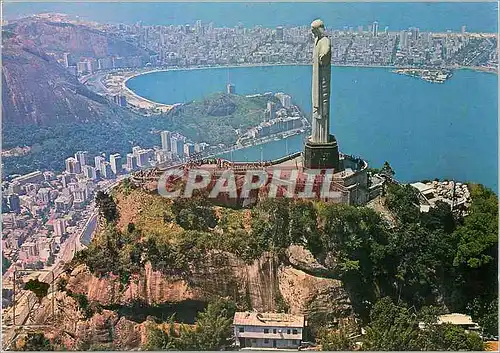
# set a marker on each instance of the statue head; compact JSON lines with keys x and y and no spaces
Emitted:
{"x":318,"y":28}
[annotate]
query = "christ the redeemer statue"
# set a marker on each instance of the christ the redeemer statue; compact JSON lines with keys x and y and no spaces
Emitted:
{"x":321,"y":150}
{"x":322,"y":56}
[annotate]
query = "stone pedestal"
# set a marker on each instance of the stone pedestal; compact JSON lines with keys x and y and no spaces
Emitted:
{"x":322,"y":155}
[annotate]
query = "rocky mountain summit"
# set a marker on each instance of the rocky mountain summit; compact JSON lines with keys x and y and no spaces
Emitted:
{"x":59,"y":35}
{"x":36,"y":87}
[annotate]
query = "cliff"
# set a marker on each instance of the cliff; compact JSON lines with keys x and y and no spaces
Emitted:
{"x":62,"y":35}
{"x":74,"y":331}
{"x":262,"y":282}
{"x":120,"y":310}
{"x":36,"y":88}
{"x":122,"y":324}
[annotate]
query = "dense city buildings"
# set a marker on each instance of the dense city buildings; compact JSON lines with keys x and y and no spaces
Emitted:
{"x":205,"y":44}
{"x":82,"y":157}
{"x":115,"y":161}
{"x":165,"y":140}
{"x":42,"y":209}
{"x":73,"y":166}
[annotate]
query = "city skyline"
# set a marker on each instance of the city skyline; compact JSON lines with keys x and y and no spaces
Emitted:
{"x":479,"y":16}
{"x":200,"y":43}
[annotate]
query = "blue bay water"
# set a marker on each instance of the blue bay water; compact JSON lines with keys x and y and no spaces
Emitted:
{"x":424,"y":130}
{"x":479,"y":17}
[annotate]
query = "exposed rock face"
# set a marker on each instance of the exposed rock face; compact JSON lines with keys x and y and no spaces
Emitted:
{"x":73,"y":331}
{"x":299,"y":289}
{"x":302,"y":259}
{"x":36,"y":88}
{"x":77,"y":39}
{"x":221,"y":275}
{"x":151,"y":288}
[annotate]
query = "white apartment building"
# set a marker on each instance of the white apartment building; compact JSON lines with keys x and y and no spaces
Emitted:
{"x":268,"y":330}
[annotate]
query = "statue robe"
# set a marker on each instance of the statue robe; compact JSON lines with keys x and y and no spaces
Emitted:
{"x":322,"y":55}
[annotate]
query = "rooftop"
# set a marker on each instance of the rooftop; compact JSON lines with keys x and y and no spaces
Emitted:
{"x":456,"y":319}
{"x":423,"y":188}
{"x":268,"y":319}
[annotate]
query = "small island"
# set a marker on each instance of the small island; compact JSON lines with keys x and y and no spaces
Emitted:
{"x":429,"y":75}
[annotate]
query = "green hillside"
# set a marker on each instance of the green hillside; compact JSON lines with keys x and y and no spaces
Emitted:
{"x":215,"y":119}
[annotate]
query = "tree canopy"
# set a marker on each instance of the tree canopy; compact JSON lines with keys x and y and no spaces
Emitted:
{"x":36,"y":341}
{"x":212,"y":330}
{"x":40,"y":289}
{"x":396,"y":327}
{"x":107,"y":206}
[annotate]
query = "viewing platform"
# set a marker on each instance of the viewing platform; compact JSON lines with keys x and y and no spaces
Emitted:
{"x":351,"y":182}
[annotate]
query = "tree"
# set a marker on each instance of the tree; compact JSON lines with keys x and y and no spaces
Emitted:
{"x":83,"y":304}
{"x":446,"y":337}
{"x":338,"y":340}
{"x":454,"y":338}
{"x":36,"y":341}
{"x":130,"y":227}
{"x":107,"y":206}
{"x":5,"y":264}
{"x":160,"y":340}
{"x":271,"y":223}
{"x":168,"y":258}
{"x":40,"y":289}
{"x":486,"y":314}
{"x":420,"y":262}
{"x":479,"y":233}
{"x":240,"y":243}
{"x":214,"y":325}
{"x":391,"y":328}
{"x":195,"y":213}
{"x":212,"y":331}
{"x":476,"y":258}
{"x":303,"y":226}
{"x":439,"y":217}
{"x":403,"y":201}
{"x":355,"y":241}
{"x":395,"y":327}
{"x":387,"y":170}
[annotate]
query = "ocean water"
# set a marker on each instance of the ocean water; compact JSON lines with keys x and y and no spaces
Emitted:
{"x":479,"y":17}
{"x":424,"y":130}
